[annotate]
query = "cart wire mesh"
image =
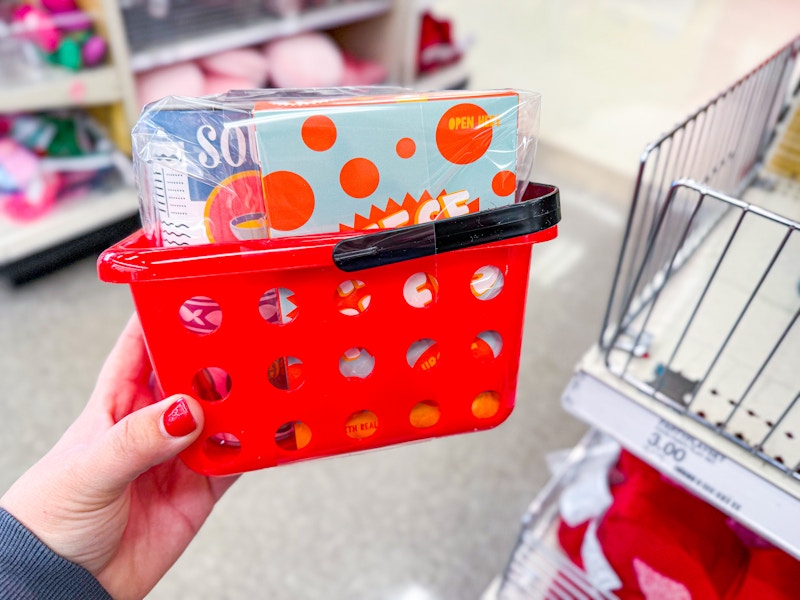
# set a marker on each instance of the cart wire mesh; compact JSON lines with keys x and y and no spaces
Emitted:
{"x":720,"y":146}
{"x":719,"y":342}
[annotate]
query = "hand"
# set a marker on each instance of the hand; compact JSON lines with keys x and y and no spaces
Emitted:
{"x":112,"y":496}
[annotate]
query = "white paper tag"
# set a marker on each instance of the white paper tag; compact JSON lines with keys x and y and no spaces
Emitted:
{"x":595,"y":563}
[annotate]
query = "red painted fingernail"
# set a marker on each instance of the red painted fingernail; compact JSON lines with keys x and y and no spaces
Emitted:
{"x":178,"y":419}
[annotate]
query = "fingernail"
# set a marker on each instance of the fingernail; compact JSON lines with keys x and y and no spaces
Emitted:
{"x":178,"y":419}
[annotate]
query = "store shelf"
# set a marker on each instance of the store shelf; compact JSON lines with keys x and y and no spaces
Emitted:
{"x":193,"y":30}
{"x":449,"y":77}
{"x":60,"y":88}
{"x":725,"y":474}
{"x":71,"y":218}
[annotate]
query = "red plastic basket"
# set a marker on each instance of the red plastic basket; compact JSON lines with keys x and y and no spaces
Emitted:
{"x":285,"y":385}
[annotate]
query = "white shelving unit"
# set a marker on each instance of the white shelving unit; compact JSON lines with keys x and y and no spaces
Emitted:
{"x":58,"y":88}
{"x":451,"y":76}
{"x":69,"y":219}
{"x":107,"y":90}
{"x":226,"y":28}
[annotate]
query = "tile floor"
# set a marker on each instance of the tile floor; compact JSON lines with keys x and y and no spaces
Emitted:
{"x":436,"y":520}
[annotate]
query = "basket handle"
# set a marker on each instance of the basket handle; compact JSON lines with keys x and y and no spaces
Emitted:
{"x":539,"y":209}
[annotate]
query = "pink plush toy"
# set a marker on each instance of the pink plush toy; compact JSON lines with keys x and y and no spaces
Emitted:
{"x":305,"y":60}
{"x":238,"y":69}
{"x":26,"y":192}
{"x":358,"y":72}
{"x":38,"y":27}
{"x":185,"y":79}
{"x":247,"y":64}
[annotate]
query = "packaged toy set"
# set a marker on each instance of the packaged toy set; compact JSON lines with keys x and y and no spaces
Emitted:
{"x":334,"y":270}
{"x":276,"y":164}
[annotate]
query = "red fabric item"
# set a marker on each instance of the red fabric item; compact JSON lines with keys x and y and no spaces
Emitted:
{"x":655,"y":527}
{"x":571,"y":540}
{"x":436,"y":47}
{"x":772,"y":574}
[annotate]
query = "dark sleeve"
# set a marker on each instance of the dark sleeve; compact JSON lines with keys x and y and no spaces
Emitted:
{"x":29,"y":570}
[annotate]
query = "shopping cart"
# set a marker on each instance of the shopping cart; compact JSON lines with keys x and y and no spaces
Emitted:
{"x":696,"y":370}
{"x":320,"y":345}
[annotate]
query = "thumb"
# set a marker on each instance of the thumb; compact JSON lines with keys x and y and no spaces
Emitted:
{"x":144,"y":439}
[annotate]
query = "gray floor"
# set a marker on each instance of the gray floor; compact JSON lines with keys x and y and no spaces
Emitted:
{"x":436,"y":520}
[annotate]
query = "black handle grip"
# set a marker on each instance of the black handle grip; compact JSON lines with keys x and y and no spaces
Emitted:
{"x":539,"y":209}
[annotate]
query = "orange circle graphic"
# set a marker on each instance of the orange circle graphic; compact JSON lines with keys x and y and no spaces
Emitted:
{"x":290,"y":200}
{"x":406,"y":148}
{"x":319,"y":133}
{"x":504,"y":183}
{"x":464,"y":133}
{"x":359,"y":177}
{"x":237,"y":195}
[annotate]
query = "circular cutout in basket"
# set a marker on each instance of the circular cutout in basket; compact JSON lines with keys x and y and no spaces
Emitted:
{"x":356,"y":363}
{"x":352,"y":297}
{"x":294,"y":435}
{"x":286,"y":373}
{"x":425,"y":414}
{"x":423,"y":354}
{"x":211,"y":384}
{"x":201,"y":315}
{"x":277,"y":306}
{"x":421,"y":290}
{"x":361,"y":424}
{"x":487,"y":345}
{"x":486,"y":405}
{"x":487,"y":282}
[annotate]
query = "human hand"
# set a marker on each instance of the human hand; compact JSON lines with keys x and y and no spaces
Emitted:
{"x":111,"y":495}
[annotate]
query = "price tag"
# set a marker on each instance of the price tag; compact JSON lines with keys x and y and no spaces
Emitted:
{"x":704,"y":470}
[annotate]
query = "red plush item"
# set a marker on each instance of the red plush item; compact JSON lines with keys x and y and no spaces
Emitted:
{"x":771,"y":574}
{"x":663,"y":542}
{"x":436,"y":46}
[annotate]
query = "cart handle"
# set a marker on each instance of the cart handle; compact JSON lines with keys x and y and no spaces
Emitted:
{"x":539,"y":209}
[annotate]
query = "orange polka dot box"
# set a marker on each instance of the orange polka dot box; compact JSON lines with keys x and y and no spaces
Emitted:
{"x":329,"y":272}
{"x":247,"y":166}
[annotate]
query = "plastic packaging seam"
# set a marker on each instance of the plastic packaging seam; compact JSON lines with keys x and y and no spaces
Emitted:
{"x":387,"y":247}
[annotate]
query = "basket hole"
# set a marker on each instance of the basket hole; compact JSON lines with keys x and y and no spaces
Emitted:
{"x":200,"y":315}
{"x":356,"y":362}
{"x":361,"y":424}
{"x":352,"y":297}
{"x":421,"y":290}
{"x":277,"y":306}
{"x":487,"y":344}
{"x":294,"y":435}
{"x":222,"y":446}
{"x":425,"y":414}
{"x":286,"y":373}
{"x":486,"y":405}
{"x":487,"y":282}
{"x":790,"y":435}
{"x":212,"y":384}
{"x":423,"y":354}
